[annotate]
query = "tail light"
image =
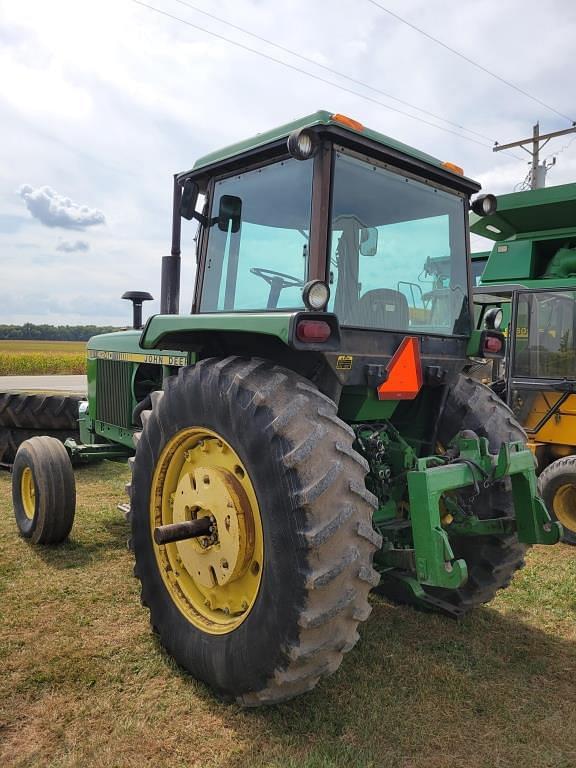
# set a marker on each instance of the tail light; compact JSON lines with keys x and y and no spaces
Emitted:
{"x":493,"y":344}
{"x":313,"y":331}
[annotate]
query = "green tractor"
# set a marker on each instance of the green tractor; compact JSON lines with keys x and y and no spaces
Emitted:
{"x":528,"y":282}
{"x":304,"y":436}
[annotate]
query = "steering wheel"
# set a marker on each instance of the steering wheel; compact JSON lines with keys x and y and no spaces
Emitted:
{"x":277,"y":282}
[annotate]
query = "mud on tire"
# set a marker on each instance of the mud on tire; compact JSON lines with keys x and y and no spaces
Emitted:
{"x":316,"y":519}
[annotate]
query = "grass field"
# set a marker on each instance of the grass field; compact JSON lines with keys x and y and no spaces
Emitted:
{"x":22,"y":358}
{"x":84,"y":682}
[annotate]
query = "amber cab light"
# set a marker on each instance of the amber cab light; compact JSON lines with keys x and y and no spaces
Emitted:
{"x":493,"y":345}
{"x":313,"y":331}
{"x":453,"y":167}
{"x":348,"y":122}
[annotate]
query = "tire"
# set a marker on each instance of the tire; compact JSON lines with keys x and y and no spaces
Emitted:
{"x":11,"y":439}
{"x":45,"y":513}
{"x":492,"y":560}
{"x":557,"y":484}
{"x":318,"y":540}
{"x":41,"y":412}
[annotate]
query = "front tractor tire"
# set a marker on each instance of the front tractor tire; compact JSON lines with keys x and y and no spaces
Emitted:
{"x":557,"y":486}
{"x":43,"y":491}
{"x":269,"y":598}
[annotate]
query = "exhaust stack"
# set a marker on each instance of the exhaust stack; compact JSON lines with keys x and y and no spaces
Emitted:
{"x":170,"y":281}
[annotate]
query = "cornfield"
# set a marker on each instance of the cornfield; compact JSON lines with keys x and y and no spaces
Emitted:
{"x":21,"y":358}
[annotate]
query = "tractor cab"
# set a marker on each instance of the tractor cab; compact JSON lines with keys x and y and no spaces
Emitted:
{"x":333,"y":202}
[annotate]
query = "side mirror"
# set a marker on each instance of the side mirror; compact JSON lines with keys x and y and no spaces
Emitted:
{"x":229,"y":213}
{"x":190,"y":192}
{"x":368,"y":241}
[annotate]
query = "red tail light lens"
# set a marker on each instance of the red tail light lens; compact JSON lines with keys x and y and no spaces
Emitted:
{"x":493,"y":345}
{"x":313,"y":331}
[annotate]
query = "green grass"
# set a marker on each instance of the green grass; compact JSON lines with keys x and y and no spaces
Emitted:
{"x":84,"y":682}
{"x":22,"y":358}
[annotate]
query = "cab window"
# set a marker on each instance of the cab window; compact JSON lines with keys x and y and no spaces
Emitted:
{"x":261,"y":261}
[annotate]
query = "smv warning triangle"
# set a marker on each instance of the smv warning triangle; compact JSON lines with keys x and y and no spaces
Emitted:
{"x":404,"y":372}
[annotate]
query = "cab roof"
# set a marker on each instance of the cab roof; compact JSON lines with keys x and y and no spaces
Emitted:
{"x":320,"y":119}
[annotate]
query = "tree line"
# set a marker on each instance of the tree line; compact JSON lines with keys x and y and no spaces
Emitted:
{"x":29,"y":331}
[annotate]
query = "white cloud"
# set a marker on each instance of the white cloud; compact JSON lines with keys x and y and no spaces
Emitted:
{"x":55,"y":210}
{"x":72,"y":246}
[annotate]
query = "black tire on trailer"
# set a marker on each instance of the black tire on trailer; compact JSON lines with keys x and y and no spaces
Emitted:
{"x":309,"y":508}
{"x":43,"y":491}
{"x":11,"y":439}
{"x":492,"y":560}
{"x":557,"y":485}
{"x":20,"y":410}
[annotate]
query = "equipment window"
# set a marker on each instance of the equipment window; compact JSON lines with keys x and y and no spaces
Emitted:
{"x":398,"y":252}
{"x":257,"y":256}
{"x":545,"y":335}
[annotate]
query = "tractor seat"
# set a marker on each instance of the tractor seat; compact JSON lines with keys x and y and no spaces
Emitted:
{"x":383,"y":308}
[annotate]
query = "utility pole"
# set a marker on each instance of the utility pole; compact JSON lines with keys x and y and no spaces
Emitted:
{"x":538,"y":141}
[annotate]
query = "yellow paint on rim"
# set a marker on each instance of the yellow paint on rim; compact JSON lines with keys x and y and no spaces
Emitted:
{"x":214,"y":579}
{"x":28,"y":492}
{"x":564,"y":505}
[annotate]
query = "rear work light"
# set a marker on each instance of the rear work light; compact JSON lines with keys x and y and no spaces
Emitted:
{"x":313,"y":331}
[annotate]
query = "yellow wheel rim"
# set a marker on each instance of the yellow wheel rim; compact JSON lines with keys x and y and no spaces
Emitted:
{"x":564,"y":505}
{"x":213,"y":579}
{"x":28,"y":492}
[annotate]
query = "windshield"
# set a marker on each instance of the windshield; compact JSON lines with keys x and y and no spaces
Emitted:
{"x":545,"y":335}
{"x":398,"y":252}
{"x":262,"y":263}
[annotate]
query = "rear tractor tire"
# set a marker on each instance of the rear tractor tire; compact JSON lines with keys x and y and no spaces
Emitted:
{"x":43,"y":491}
{"x":492,"y":560}
{"x":40,"y":412}
{"x":268,"y":599}
{"x":557,"y":485}
{"x":12,"y":438}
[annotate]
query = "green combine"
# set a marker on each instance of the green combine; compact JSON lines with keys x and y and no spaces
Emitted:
{"x":530,"y":275}
{"x":305,"y":435}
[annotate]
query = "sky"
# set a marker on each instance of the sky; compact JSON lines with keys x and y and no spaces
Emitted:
{"x":101,"y":102}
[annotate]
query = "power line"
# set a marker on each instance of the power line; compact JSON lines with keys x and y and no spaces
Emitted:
{"x":308,"y":74}
{"x":562,"y":149}
{"x":350,"y":79}
{"x":538,"y":141}
{"x":471,"y":61}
